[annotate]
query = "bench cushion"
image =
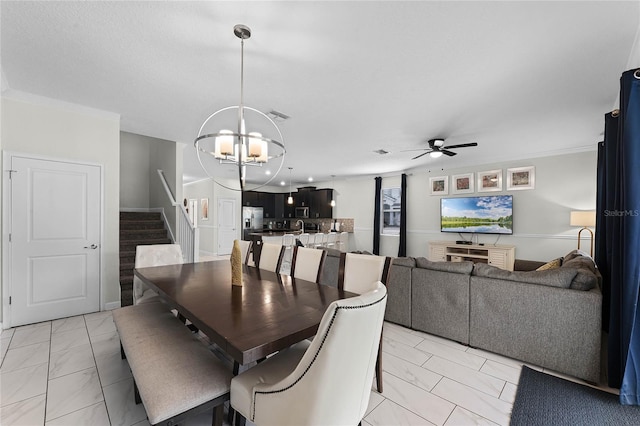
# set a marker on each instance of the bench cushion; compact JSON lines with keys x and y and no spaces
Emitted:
{"x":173,"y":369}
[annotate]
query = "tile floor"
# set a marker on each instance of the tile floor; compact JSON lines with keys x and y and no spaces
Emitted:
{"x":69,"y":372}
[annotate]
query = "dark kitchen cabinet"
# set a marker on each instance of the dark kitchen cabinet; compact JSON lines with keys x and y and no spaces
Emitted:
{"x":268,"y":201}
{"x":303,"y":197}
{"x":321,"y":204}
{"x":251,"y":199}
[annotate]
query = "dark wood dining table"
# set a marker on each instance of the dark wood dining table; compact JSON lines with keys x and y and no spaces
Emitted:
{"x":268,"y":313}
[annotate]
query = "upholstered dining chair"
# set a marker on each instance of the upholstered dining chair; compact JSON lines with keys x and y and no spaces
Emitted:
{"x":323,"y":382}
{"x":245,"y":249}
{"x":307,"y":263}
{"x":356,"y":274}
{"x":153,"y":255}
{"x":271,"y":257}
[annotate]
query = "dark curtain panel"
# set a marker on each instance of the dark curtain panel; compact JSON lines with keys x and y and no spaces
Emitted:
{"x":376,"y":217}
{"x":402,"y":248}
{"x":620,"y":187}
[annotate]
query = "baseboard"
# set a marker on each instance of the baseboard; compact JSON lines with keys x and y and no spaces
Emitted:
{"x":111,"y":306}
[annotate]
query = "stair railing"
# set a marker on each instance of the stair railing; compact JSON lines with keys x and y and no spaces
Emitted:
{"x":187,"y":235}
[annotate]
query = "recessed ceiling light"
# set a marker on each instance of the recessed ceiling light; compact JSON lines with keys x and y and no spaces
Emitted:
{"x":268,"y":172}
{"x":310,"y":179}
{"x":282,"y":183}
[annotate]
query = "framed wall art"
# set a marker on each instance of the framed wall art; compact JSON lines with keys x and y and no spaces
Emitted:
{"x":490,"y":181}
{"x":521,"y":178}
{"x":439,"y":185}
{"x":204,"y":205}
{"x":462,"y":184}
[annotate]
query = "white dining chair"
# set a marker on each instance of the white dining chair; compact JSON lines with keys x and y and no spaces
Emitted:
{"x":356,"y":274}
{"x":153,"y":255}
{"x":271,"y":257}
{"x":323,"y":382}
{"x":307,"y":263}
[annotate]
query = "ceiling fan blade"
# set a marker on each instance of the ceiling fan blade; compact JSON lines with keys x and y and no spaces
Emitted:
{"x":424,"y":153}
{"x":462,"y":145}
{"x":449,"y":153}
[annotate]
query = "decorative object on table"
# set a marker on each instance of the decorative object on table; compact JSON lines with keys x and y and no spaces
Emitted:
{"x":236,"y":264}
{"x":521,"y":178}
{"x":490,"y":181}
{"x":586,"y":219}
{"x":439,"y":185}
{"x":462,"y":184}
{"x":217,"y":147}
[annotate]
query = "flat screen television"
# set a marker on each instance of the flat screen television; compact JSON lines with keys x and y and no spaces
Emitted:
{"x":481,"y":215}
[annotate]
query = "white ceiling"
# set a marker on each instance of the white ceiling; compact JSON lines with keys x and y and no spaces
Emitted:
{"x":522,"y":79}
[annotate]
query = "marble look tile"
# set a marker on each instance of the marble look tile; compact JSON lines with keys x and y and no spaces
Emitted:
{"x":501,"y":371}
{"x":69,"y":339}
{"x":403,"y":351}
{"x":400,"y":335}
{"x":409,"y":372}
{"x":475,"y":401}
{"x":462,"y":417}
{"x":374,"y":400}
{"x":112,"y":368}
{"x":70,"y":361}
{"x":120,"y":404}
{"x":145,"y":422}
{"x":465,"y":375}
{"x":4,"y":347}
{"x":7,"y":334}
{"x":72,"y":392}
{"x":509,"y":393}
{"x":496,"y":357}
{"x":101,"y":325}
{"x":66,"y":324}
{"x":366,"y":423}
{"x":441,"y":340}
{"x":389,"y":413}
{"x":104,"y":344}
{"x":25,"y":356}
{"x":31,"y":334}
{"x":94,"y":415}
{"x":426,"y":405}
{"x":97,"y":315}
{"x":447,"y":352}
{"x":22,"y":384}
{"x":27,"y":412}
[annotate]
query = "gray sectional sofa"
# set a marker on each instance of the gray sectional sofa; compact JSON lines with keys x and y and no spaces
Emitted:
{"x":550,"y":318}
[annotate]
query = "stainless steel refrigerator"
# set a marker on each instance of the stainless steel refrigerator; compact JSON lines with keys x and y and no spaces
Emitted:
{"x":251,"y":220}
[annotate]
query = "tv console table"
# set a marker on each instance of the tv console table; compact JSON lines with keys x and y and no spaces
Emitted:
{"x":501,"y":256}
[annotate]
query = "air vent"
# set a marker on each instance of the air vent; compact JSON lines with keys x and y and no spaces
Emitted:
{"x":277,"y":116}
{"x":381,"y":152}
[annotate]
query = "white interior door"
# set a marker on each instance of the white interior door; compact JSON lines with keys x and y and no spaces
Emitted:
{"x":226,"y":225}
{"x":55,"y":220}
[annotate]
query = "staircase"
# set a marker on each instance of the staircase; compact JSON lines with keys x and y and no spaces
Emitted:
{"x":136,"y":229}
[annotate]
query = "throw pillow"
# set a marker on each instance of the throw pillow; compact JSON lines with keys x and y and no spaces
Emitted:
{"x":553,"y":264}
{"x":559,"y":277}
{"x":575,"y":253}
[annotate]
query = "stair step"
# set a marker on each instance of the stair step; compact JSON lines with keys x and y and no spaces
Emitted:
{"x":126,"y":266}
{"x":141,"y":224}
{"x":131,"y":245}
{"x":138,"y":234}
{"x":127,"y":280}
{"x":140,"y":216}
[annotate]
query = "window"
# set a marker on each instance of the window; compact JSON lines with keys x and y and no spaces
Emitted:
{"x":391,"y":211}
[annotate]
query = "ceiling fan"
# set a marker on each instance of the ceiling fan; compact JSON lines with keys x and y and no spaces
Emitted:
{"x":437,"y":148}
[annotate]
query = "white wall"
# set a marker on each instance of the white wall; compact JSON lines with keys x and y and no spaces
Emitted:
{"x":541,"y":216}
{"x":51,"y":128}
{"x":209,"y":228}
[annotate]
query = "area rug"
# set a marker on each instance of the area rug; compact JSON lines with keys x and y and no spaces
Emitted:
{"x":542,"y":399}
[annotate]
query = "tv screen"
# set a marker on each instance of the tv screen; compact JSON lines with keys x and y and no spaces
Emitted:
{"x":482,"y":215}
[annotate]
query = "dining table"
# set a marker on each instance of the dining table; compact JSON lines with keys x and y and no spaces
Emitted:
{"x":268,"y":313}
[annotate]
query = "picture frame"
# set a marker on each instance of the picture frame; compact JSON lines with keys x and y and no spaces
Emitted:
{"x":204,"y":208}
{"x":520,"y":178}
{"x":439,"y":185}
{"x":490,"y":181}
{"x":462,"y":184}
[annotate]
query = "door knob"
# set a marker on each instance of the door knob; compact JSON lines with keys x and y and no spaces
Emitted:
{"x":92,"y":247}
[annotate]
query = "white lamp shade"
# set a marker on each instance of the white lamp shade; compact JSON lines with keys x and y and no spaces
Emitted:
{"x":435,"y":154}
{"x":583,"y":218}
{"x":224,"y":144}
{"x":290,"y":200}
{"x":255,"y":144}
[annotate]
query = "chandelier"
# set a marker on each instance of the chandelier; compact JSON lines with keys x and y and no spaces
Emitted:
{"x":218,"y":146}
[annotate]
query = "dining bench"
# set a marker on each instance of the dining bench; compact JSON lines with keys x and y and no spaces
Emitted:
{"x":175,"y":375}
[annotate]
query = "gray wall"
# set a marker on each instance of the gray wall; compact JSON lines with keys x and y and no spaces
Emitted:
{"x":541,"y":216}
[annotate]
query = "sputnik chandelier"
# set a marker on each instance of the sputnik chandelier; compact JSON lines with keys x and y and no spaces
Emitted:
{"x":217,"y":146}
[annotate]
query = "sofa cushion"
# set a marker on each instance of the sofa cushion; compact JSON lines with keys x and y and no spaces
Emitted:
{"x":552,"y":264}
{"x":456,"y":267}
{"x":559,"y":277}
{"x":585,"y":278}
{"x":404,"y":261}
{"x":575,"y":253}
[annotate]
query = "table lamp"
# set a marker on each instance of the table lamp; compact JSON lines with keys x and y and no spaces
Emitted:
{"x":586,"y":219}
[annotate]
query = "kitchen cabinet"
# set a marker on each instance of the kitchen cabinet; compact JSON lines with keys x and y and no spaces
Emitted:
{"x":251,"y":199}
{"x":321,"y":204}
{"x":268,"y":201}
